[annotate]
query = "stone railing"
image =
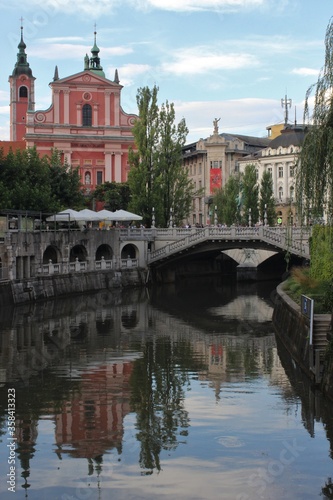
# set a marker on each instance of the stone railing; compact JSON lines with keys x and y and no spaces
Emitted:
{"x":82,"y":266}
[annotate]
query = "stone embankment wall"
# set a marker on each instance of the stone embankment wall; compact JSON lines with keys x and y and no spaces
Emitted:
{"x":47,"y":287}
{"x":293,"y":328}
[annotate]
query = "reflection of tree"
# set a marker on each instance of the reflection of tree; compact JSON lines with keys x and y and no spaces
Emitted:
{"x":158,"y":381}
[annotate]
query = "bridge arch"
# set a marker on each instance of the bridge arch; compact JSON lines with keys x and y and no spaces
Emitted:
{"x":51,"y":253}
{"x":78,"y":252}
{"x":104,"y":251}
{"x":130,"y":251}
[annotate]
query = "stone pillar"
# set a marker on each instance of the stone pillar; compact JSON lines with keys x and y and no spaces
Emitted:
{"x":108,"y":167}
{"x":66,"y":106}
{"x":117,"y":167}
{"x":56,"y":104}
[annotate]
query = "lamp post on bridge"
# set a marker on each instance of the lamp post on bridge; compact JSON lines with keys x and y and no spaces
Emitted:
{"x":153,"y":217}
{"x":170,"y":222}
{"x":250,"y":219}
{"x":215,"y":216}
{"x":265,"y":215}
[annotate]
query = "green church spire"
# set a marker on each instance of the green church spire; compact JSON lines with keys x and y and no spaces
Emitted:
{"x":94,"y":62}
{"x":22,"y":65}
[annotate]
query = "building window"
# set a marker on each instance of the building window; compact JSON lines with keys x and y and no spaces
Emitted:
{"x":291,"y":170}
{"x":270,"y":171}
{"x":86,"y":115}
{"x":99,"y":178}
{"x":87,"y":178}
{"x":280,"y":172}
{"x":23,"y":91}
{"x":292,"y":193}
{"x":200,"y":169}
{"x":280,"y":193}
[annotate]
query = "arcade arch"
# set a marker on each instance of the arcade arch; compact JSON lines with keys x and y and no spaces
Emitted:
{"x":130,"y":251}
{"x":104,"y":251}
{"x":78,"y":252}
{"x":51,"y":253}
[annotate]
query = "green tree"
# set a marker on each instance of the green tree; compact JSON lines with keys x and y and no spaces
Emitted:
{"x":65,"y":183}
{"x":29,"y":182}
{"x":267,"y":202}
{"x":173,"y":188}
{"x":250,"y":194}
{"x":314,"y":179}
{"x":156,"y":178}
{"x":114,"y":195}
{"x":227,"y":201}
{"x":143,"y":161}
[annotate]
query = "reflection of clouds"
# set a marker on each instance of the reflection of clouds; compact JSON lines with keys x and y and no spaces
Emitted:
{"x":250,"y":307}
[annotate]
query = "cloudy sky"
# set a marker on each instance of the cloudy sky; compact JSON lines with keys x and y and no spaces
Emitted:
{"x":228,"y":59}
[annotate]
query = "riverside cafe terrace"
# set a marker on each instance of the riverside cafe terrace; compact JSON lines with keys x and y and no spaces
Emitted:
{"x":27,"y":220}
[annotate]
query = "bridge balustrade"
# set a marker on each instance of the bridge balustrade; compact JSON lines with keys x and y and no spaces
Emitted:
{"x":288,"y":239}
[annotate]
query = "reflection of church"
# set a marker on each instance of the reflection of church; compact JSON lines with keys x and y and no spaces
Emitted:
{"x":91,"y":422}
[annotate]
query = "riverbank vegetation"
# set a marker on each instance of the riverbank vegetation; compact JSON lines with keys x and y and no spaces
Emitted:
{"x":314,"y":188}
{"x":315,"y":281}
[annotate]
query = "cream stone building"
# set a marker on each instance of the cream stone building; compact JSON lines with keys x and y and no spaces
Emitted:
{"x":280,"y":159}
{"x":210,"y":162}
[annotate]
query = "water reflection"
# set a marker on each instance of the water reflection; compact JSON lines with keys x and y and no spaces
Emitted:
{"x":111,"y":387}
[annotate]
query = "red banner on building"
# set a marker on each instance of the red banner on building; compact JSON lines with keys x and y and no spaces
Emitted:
{"x":215,"y":179}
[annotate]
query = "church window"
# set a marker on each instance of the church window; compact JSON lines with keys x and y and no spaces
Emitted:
{"x":23,"y":91}
{"x":99,"y":177}
{"x":86,"y":115}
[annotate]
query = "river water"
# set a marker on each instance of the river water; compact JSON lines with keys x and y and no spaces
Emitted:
{"x":183,"y":393}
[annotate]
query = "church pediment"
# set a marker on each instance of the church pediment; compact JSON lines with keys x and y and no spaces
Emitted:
{"x":85,"y":78}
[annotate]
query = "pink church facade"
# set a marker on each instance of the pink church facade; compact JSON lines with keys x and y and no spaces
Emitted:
{"x":85,"y":121}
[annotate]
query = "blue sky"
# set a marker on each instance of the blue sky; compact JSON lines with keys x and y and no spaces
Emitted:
{"x":230,"y":59}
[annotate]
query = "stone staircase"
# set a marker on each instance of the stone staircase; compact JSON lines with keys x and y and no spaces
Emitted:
{"x":321,"y":329}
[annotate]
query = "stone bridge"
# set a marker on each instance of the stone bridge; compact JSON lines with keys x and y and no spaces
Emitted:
{"x":268,"y":239}
{"x":26,"y":253}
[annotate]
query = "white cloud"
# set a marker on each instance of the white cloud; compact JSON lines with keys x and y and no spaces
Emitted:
{"x":72,"y":51}
{"x":305,"y":72}
{"x":129,"y":72}
{"x":197,"y":60}
{"x":242,"y":116}
{"x":99,"y":8}
{"x":199,"y":5}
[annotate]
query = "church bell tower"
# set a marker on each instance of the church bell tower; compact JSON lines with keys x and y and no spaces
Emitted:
{"x":22,"y":93}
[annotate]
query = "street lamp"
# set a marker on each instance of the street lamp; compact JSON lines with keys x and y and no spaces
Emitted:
{"x":265,"y":215}
{"x":215,"y":216}
{"x":170,"y":223}
{"x":153,"y":217}
{"x":250,"y":217}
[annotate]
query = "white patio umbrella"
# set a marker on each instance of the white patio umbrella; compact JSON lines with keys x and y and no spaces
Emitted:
{"x":105,"y":215}
{"x":123,"y":215}
{"x":88,"y":215}
{"x":65,"y":216}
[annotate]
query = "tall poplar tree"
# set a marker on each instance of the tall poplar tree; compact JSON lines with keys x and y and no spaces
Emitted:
{"x":174,"y":189}
{"x":267,"y":202}
{"x":157,"y":178}
{"x":250,"y":194}
{"x":228,"y":201}
{"x":143,"y":160}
